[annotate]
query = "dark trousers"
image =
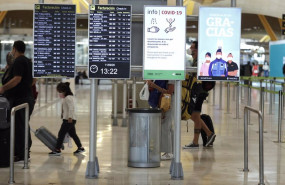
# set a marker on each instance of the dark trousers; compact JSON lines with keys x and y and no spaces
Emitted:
{"x":70,"y":129}
{"x":20,"y":126}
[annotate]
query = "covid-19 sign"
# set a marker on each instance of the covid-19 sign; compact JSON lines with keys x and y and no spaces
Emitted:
{"x":219,"y":44}
{"x":164,"y":43}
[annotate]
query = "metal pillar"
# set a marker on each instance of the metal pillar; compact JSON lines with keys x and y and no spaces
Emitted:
{"x":266,"y":94}
{"x":261,"y":104}
{"x":234,"y":93}
{"x":274,"y":91}
{"x":93,"y":165}
{"x":39,"y":95}
{"x":271,"y":98}
{"x":221,"y":94}
{"x":249,"y":99}
{"x":177,"y":170}
{"x":51,"y":93}
{"x":12,"y":140}
{"x":261,"y":150}
{"x":228,"y":97}
{"x":46,"y":90}
{"x":134,"y":95}
{"x":233,"y":3}
{"x":214,"y":94}
{"x":115,"y":103}
{"x":280,"y":116}
{"x":124,"y":121}
{"x":283,"y":90}
{"x":237,"y":101}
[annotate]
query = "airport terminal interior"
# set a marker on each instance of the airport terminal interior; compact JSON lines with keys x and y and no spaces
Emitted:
{"x":222,"y":164}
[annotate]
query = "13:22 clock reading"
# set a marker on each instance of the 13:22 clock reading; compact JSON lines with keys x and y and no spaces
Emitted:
{"x":110,"y":71}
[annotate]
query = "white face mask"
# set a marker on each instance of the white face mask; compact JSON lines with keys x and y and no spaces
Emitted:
{"x":208,"y":58}
{"x":230,"y":58}
{"x":189,"y":51}
{"x":219,"y":56}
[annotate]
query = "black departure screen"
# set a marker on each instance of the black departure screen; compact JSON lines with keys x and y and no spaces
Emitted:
{"x":54,"y":40}
{"x":109,"y":41}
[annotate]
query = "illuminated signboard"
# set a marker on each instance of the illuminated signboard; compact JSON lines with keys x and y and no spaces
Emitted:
{"x":54,"y":40}
{"x":109,"y":41}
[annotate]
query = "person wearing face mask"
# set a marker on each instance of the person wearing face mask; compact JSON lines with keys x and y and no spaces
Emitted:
{"x":204,"y":71}
{"x":231,"y":66}
{"x":218,"y":67}
{"x":18,"y":91}
{"x":193,"y":52}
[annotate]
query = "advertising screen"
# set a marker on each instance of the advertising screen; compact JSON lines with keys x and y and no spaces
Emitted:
{"x":277,"y":58}
{"x":219,"y":44}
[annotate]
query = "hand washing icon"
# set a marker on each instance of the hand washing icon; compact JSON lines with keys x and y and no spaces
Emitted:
{"x":153,"y":29}
{"x":170,"y":28}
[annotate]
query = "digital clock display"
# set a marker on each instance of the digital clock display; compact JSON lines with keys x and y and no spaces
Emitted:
{"x":111,"y":71}
{"x":109,"y":41}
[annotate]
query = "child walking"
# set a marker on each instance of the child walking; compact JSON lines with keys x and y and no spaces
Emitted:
{"x":69,"y":119}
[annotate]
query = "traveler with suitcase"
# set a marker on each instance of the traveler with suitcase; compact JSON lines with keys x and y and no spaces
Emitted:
{"x":17,"y":88}
{"x":69,"y":119}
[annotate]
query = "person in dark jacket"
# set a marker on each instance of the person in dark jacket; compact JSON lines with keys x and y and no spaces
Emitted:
{"x":18,"y":91}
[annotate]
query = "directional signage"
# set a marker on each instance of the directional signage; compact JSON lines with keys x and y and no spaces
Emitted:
{"x":164,"y":43}
{"x":109,"y":41}
{"x":54,"y":40}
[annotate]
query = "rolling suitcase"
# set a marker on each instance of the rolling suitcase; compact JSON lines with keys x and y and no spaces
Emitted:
{"x":208,"y":121}
{"x":46,"y":137}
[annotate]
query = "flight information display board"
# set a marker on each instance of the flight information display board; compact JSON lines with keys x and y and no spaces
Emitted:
{"x":54,"y":40}
{"x":109,"y":41}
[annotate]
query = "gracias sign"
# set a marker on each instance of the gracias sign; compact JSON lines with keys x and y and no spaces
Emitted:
{"x":220,"y":27}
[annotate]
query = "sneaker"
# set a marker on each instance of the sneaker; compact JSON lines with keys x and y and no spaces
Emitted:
{"x":79,"y":150}
{"x":55,"y":153}
{"x":211,"y":139}
{"x":166,"y":156}
{"x":191,"y":146}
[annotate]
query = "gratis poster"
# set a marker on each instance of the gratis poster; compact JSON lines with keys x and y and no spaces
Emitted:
{"x":219,"y":44}
{"x":164,"y":43}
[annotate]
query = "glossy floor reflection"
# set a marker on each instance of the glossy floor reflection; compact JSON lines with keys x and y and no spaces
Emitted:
{"x":221,"y":165}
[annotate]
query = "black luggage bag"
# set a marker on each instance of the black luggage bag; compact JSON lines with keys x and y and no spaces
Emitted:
{"x":5,"y":147}
{"x":47,"y":138}
{"x":208,"y":121}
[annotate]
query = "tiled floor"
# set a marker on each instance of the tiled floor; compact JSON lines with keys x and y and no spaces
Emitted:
{"x":221,"y":165}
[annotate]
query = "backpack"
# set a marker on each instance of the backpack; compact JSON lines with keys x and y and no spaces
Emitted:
{"x":191,"y":87}
{"x":4,"y":113}
{"x":187,"y":86}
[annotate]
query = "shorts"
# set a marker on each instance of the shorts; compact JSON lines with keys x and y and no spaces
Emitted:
{"x":198,"y":95}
